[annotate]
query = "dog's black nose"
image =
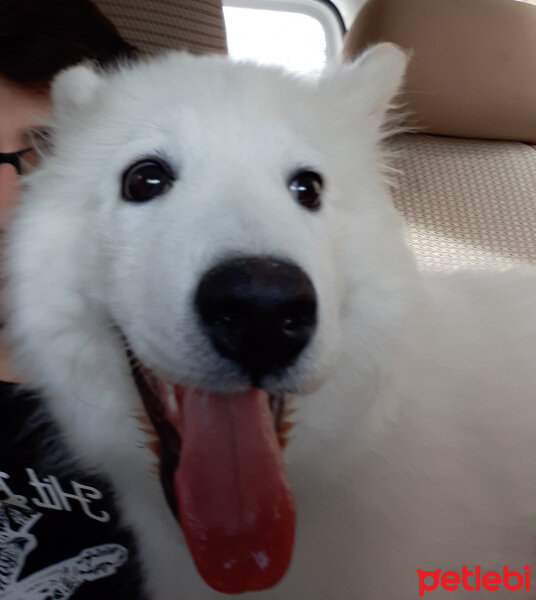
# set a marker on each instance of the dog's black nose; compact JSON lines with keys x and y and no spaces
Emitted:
{"x":259,"y":312}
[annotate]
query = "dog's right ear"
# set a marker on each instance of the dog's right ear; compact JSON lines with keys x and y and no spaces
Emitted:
{"x":369,"y":84}
{"x":74,"y":88}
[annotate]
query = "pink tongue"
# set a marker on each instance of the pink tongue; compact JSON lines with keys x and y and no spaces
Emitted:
{"x":235,"y":504}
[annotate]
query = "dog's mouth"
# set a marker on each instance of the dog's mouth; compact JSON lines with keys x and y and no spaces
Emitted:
{"x":222,"y":470}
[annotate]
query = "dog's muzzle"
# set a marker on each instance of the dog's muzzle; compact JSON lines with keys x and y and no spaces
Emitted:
{"x":221,"y":454}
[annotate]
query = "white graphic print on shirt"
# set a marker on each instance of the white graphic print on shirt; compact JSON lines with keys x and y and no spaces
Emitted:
{"x":59,"y":581}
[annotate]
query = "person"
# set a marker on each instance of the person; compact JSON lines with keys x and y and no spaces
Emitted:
{"x":37,"y":40}
{"x":54,"y":516}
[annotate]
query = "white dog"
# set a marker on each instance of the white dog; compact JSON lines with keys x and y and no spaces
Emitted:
{"x":203,"y":230}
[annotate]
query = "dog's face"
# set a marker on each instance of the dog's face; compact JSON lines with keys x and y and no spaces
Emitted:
{"x":223,"y":223}
{"x":186,"y":164}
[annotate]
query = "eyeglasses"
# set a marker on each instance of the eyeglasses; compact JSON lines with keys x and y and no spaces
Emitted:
{"x":23,"y":160}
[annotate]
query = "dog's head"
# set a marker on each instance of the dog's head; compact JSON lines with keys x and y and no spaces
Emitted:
{"x":209,"y":230}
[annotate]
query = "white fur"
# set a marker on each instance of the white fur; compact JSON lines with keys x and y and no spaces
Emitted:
{"x":415,"y":438}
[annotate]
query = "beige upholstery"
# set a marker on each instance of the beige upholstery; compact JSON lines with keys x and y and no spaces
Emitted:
{"x":153,"y":25}
{"x":467,"y":203}
{"x":473,"y":66}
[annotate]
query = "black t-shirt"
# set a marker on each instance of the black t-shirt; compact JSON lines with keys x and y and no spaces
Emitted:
{"x":60,"y":534}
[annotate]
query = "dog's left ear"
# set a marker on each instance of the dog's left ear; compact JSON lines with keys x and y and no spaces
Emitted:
{"x":371,"y":81}
{"x":73,"y":89}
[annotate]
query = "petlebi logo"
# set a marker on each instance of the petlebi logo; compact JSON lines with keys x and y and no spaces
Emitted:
{"x":474,"y":579}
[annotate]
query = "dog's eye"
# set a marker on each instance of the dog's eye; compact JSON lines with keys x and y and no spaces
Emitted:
{"x":146,"y":180}
{"x":306,"y":187}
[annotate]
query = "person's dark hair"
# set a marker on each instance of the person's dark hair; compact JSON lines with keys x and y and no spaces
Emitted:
{"x":39,"y":38}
